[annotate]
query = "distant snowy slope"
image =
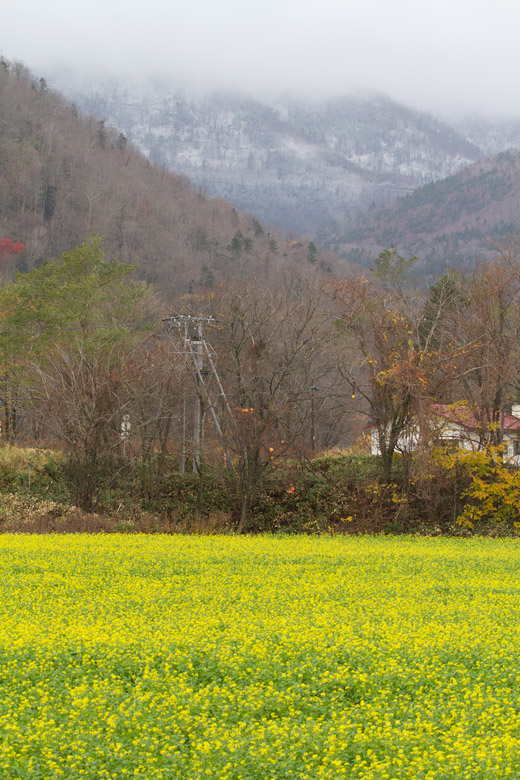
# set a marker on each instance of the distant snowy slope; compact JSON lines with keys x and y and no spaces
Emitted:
{"x":298,"y":165}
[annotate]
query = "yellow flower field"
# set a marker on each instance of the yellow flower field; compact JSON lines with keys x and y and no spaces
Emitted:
{"x":259,"y":658}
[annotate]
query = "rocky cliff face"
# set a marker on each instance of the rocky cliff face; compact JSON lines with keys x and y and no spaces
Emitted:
{"x":298,"y":165}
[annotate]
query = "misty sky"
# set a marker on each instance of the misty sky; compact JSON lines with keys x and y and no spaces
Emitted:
{"x":440,"y":55}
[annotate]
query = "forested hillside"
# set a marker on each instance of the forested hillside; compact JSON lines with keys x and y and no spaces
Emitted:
{"x":63,"y":176}
{"x":450,"y":222}
{"x":299,"y":164}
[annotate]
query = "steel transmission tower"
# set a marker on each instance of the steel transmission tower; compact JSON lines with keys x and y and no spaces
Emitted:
{"x":188,"y":331}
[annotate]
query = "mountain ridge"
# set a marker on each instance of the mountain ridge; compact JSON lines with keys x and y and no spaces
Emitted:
{"x":454,"y":221}
{"x":297,"y":165}
{"x":64,"y":176}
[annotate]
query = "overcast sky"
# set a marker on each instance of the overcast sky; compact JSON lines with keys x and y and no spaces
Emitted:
{"x":440,"y":55}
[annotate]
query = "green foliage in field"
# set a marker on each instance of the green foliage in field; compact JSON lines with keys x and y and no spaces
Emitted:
{"x":457,"y":493}
{"x":240,"y":658}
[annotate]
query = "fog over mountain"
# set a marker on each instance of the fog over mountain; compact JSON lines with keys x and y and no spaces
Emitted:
{"x":298,"y":164}
{"x":197,"y":88}
{"x":303,"y":165}
{"x":491,"y":135}
{"x":460,"y":57}
{"x":64,"y":177}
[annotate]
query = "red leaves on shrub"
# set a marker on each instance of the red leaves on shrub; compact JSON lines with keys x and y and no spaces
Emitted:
{"x":10,"y":247}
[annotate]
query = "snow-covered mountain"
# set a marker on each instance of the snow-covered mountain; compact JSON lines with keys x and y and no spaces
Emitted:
{"x":298,"y":165}
{"x":491,"y":135}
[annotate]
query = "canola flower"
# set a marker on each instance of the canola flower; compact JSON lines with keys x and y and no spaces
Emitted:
{"x":263,"y":658}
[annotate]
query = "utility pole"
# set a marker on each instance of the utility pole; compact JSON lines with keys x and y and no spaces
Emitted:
{"x":182,"y":449}
{"x":195,"y":349}
{"x":313,"y":390}
{"x":198,"y":357}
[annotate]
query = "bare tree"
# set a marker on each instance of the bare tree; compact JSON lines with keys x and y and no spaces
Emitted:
{"x":153,"y":384}
{"x":271,"y":349}
{"x":491,"y":324}
{"x":78,"y":396}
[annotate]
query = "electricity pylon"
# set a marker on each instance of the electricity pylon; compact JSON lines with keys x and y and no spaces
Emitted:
{"x":190,"y":332}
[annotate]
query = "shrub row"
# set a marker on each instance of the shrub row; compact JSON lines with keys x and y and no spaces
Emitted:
{"x":455,"y":493}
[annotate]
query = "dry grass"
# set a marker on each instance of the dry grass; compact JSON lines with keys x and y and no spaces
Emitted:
{"x":15,"y":459}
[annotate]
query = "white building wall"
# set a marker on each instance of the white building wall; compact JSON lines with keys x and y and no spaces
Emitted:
{"x":465,"y":439}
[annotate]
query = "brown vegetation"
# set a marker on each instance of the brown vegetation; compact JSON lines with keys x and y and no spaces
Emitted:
{"x":63,"y":177}
{"x":454,"y":221}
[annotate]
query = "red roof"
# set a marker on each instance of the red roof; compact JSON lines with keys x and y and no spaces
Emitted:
{"x":463,"y":416}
